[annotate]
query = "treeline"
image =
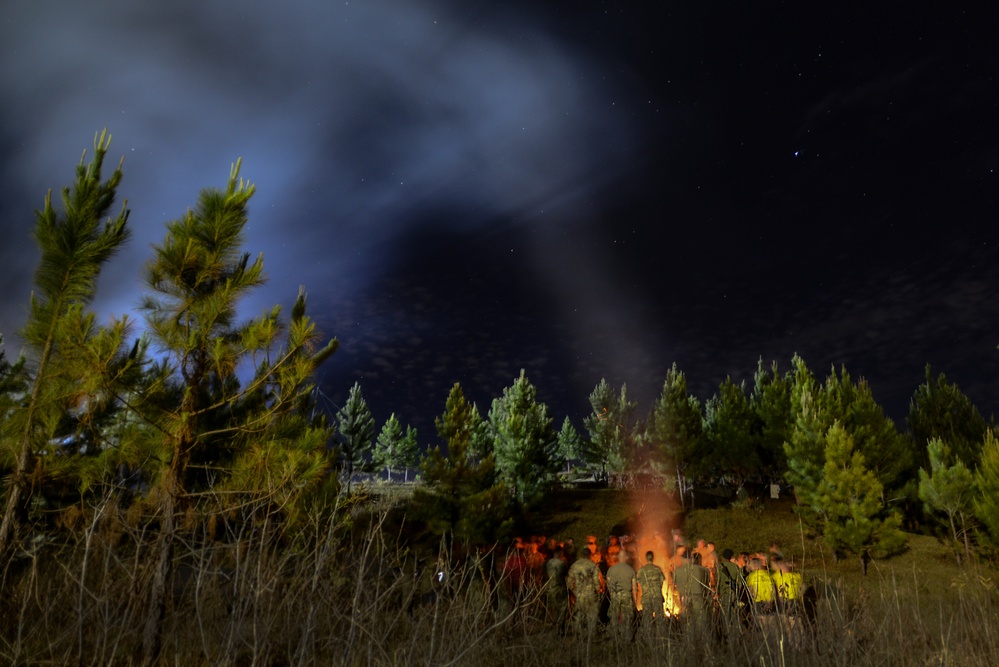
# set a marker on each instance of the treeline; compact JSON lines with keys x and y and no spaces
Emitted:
{"x":163,"y":424}
{"x":856,"y":477}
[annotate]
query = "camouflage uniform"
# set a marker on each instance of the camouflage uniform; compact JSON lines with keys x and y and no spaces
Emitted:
{"x":556,"y":593}
{"x":651,"y":578}
{"x":584,"y":582}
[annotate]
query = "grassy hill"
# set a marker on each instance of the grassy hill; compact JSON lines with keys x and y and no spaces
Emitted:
{"x":917,"y":607}
{"x":359,"y":586}
{"x":927,"y":563}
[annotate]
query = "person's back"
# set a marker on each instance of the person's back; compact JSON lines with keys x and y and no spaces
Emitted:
{"x":760,"y":585}
{"x":556,"y":571}
{"x":620,"y":579}
{"x":731,"y":588}
{"x":556,"y":588}
{"x":650,"y":578}
{"x":619,"y":576}
{"x":534,"y":566}
{"x":583,"y":578}
{"x":787,"y":583}
{"x":584,"y":582}
{"x":693,"y":585}
{"x":730,"y":580}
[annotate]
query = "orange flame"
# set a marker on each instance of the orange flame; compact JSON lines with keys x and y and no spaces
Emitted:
{"x":655,"y":535}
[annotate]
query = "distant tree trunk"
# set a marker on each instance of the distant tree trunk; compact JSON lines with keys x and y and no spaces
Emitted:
{"x":964,"y":534}
{"x":680,"y":486}
{"x":957,"y":538}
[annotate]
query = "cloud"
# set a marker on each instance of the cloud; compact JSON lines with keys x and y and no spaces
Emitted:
{"x":356,"y":121}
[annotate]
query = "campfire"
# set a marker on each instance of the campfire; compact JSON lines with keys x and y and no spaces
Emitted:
{"x":662,"y":549}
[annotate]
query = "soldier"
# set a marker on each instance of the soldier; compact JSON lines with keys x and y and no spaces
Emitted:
{"x":693,"y":584}
{"x":534,"y":566}
{"x":701,"y":547}
{"x":628,"y":544}
{"x":742,"y":560}
{"x":709,"y":559}
{"x":731,"y":591}
{"x":514,"y":573}
{"x":620,"y":585}
{"x":569,"y":550}
{"x":583,"y":581}
{"x":613,"y":548}
{"x":556,"y":590}
{"x":649,"y":585}
{"x":549,"y":549}
{"x":678,"y":541}
{"x":594,"y":548}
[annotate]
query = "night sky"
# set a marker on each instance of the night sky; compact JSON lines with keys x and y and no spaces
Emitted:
{"x":582,"y":189}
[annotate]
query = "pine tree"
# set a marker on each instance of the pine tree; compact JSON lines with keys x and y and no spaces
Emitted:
{"x":12,"y":385}
{"x":74,"y":246}
{"x":197,"y":277}
{"x":524,"y":442}
{"x":394,"y":448}
{"x":731,"y":433}
{"x":282,"y":459}
{"x":461,"y":497}
{"x":948,"y":489}
{"x":610,"y":426}
{"x":816,"y":407}
{"x":387,"y":445}
{"x":357,"y":431}
{"x":986,"y":501}
{"x":888,"y":453}
{"x":408,"y":451}
{"x":849,"y":497}
{"x":570,"y":445}
{"x":941,"y":410}
{"x":770,"y":400}
{"x":804,"y":450}
{"x":674,"y":432}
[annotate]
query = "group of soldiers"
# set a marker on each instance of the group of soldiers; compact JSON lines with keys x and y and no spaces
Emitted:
{"x":656,"y":582}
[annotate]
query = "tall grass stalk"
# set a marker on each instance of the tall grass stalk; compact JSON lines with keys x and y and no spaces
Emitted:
{"x":345,"y":589}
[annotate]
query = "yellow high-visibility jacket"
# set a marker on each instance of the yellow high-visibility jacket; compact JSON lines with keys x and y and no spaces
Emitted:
{"x":761,"y":586}
{"x":788,"y":585}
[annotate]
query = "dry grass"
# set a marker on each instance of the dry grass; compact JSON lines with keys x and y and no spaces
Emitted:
{"x":350,"y":591}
